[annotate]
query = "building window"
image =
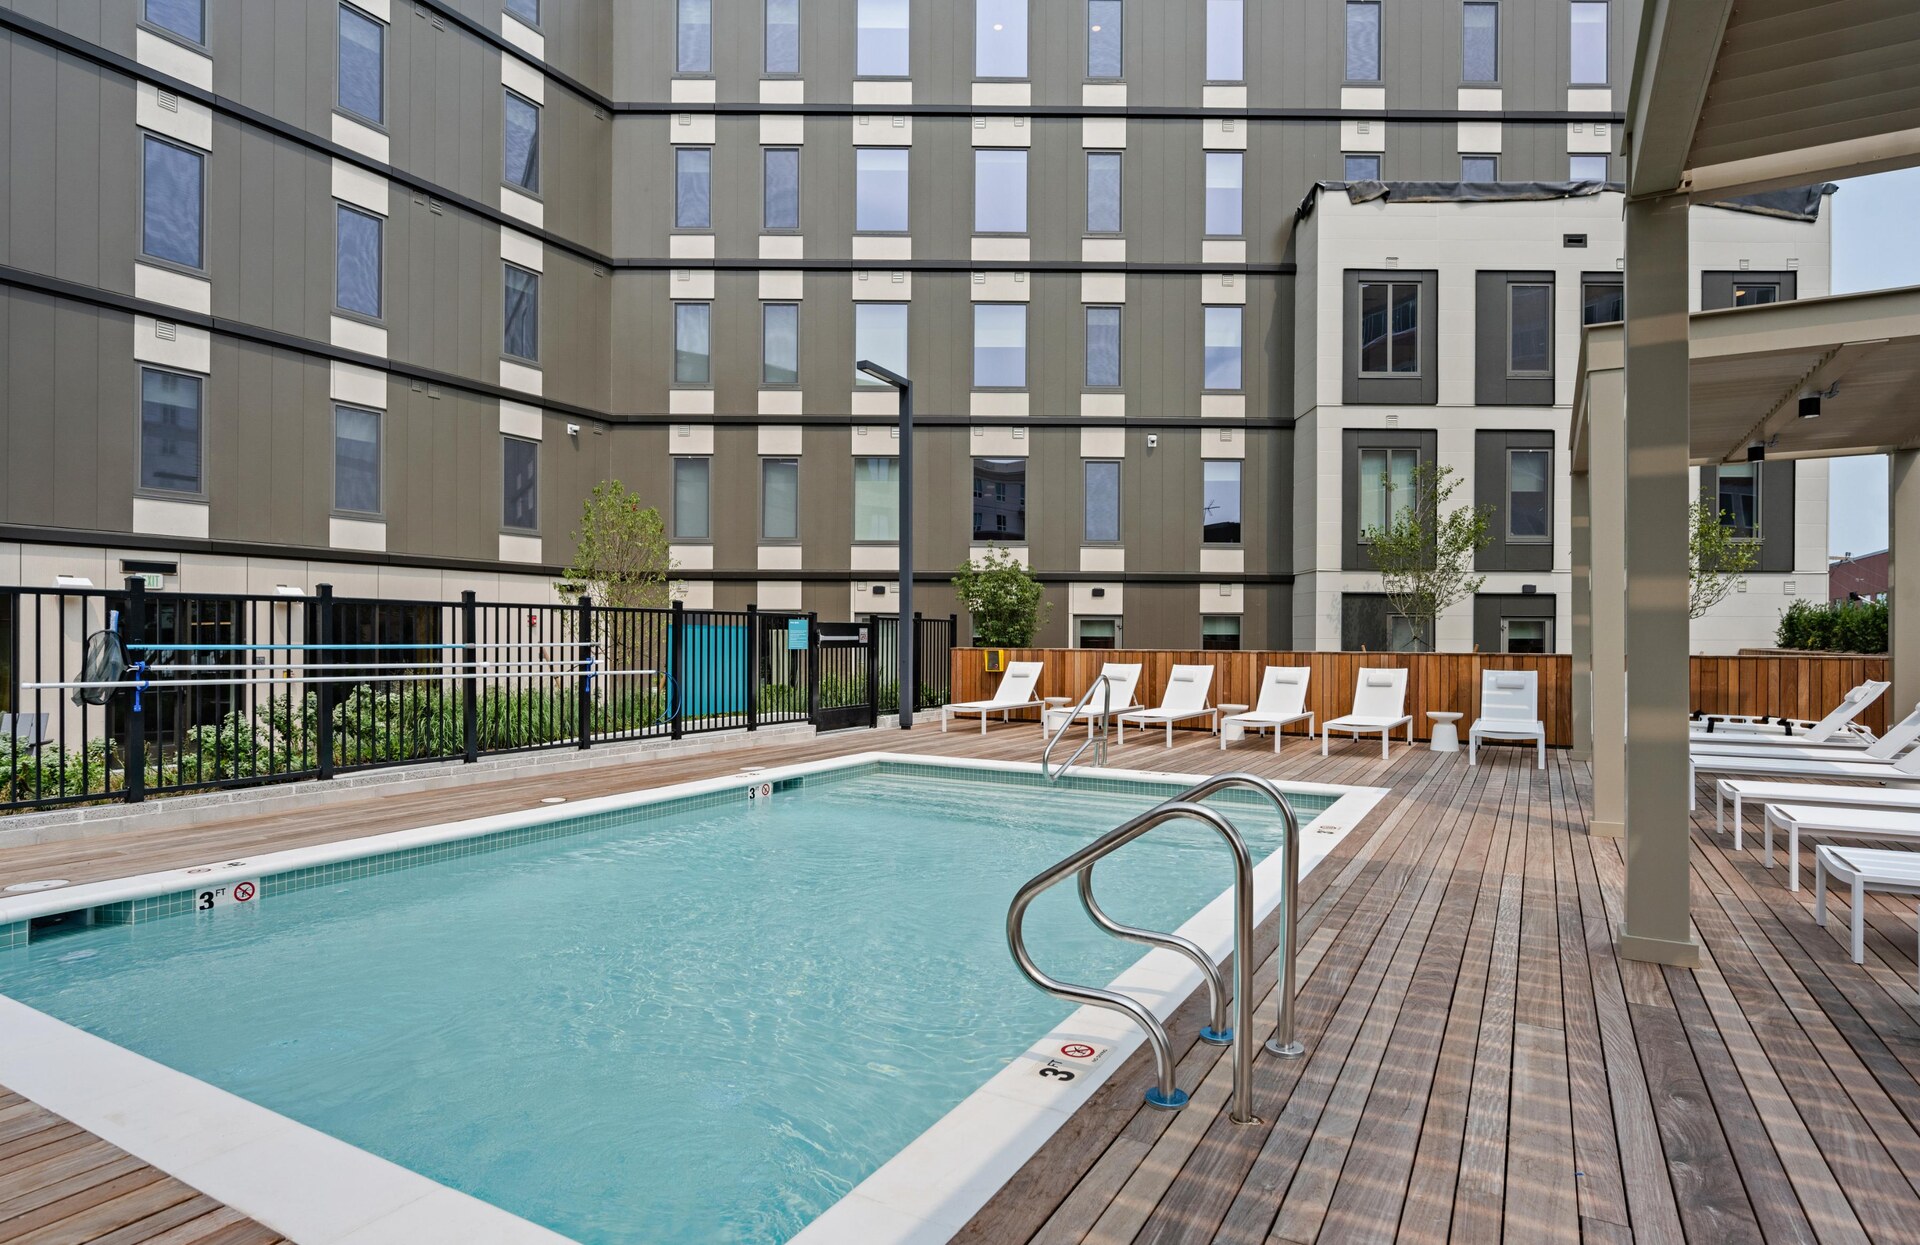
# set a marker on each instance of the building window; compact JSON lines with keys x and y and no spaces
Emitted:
{"x":999,"y":345}
{"x":1096,"y":633}
{"x":1000,"y":39}
{"x":1220,"y":633}
{"x":779,"y":499}
{"x":1755,"y":293}
{"x":692,"y":188}
{"x":1103,"y":192}
{"x":362,"y":77}
{"x":1224,"y":179}
{"x":999,"y":190}
{"x":1000,"y":499}
{"x":880,"y":336}
{"x":1529,"y":330}
{"x":1480,"y":42}
{"x":1385,"y":487}
{"x":695,"y":37}
{"x":783,"y":36}
{"x":880,"y":190}
{"x":1529,"y":495}
{"x":1526,"y":635}
{"x":1603,"y":302}
{"x":1586,"y":168}
{"x":522,"y":314}
{"x":690,"y":481}
{"x":880,"y":39}
{"x":1361,"y":168}
{"x":1389,"y":328}
{"x":521,"y":121}
{"x":186,"y":18}
{"x":520,"y":477}
{"x":1226,"y":30}
{"x":356,"y":460}
{"x":1103,"y":347}
{"x":527,"y":11}
{"x":357,"y":260}
{"x":692,"y":343}
{"x":172,"y":191}
{"x":169,"y":431}
{"x":1220,"y":502}
{"x":876,"y":499}
{"x":1104,"y":47}
{"x":1222,"y":346}
{"x":1479,"y":168}
{"x":1589,"y":47}
{"x":1102,"y":519}
{"x":780,"y":176}
{"x":1363,"y":40}
{"x":1739,"y":499}
{"x":780,"y":344}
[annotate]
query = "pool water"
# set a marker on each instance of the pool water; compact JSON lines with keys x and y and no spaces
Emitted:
{"x":701,"y":1027}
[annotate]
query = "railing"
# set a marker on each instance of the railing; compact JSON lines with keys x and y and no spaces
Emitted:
{"x":1097,"y":727}
{"x":1166,"y":1094}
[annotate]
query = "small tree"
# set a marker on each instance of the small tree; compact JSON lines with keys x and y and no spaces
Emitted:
{"x":620,"y":550}
{"x":1425,"y":552}
{"x":1007,"y":603}
{"x":1716,"y":558}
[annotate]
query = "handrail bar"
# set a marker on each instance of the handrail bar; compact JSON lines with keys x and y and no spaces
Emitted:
{"x":1218,"y":1031}
{"x":1166,"y":1094}
{"x":1104,"y":684}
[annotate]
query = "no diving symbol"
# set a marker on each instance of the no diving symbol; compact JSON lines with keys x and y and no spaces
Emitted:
{"x":242,"y":892}
{"x":1077,"y":1050}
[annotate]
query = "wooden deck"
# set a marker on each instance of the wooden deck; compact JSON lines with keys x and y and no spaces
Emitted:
{"x":1481,"y":1067}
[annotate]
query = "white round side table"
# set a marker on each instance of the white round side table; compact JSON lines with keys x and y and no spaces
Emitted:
{"x":1446,"y":736}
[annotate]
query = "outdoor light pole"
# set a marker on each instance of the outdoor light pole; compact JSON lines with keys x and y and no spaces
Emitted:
{"x":909,"y":677}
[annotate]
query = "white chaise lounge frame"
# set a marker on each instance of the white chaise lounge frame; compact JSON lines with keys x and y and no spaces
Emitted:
{"x":1509,"y":710}
{"x":1281,"y":703}
{"x":1188,"y":697}
{"x":1379,"y":706}
{"x":1016,"y":691}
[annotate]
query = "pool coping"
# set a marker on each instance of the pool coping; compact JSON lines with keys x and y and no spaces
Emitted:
{"x":318,"y":1189}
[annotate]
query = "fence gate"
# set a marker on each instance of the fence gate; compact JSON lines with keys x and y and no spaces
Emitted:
{"x":845,"y":670}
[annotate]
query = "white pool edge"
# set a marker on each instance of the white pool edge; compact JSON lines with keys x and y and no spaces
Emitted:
{"x":317,"y":1189}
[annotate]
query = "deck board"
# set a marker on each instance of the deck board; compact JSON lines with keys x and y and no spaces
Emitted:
{"x":1481,"y":1066}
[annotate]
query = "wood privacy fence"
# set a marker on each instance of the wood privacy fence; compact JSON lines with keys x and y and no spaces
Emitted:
{"x":1801,"y":686}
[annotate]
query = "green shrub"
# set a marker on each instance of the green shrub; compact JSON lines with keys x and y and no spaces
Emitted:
{"x":1834,"y":627}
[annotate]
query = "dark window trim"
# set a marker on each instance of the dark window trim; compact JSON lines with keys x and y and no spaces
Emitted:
{"x":1241,"y":388}
{"x":505,"y":528}
{"x":1512,"y":373}
{"x":174,"y":265}
{"x":139,"y":434}
{"x":1026,"y":349}
{"x":143,"y":22}
{"x":1354,"y":554}
{"x":1379,"y":45}
{"x":1499,"y":20}
{"x":799,"y":174}
{"x":1120,"y":504}
{"x":1512,"y":537}
{"x":797,"y":495}
{"x":679,"y":150}
{"x":1120,"y":347}
{"x":1026,"y":209}
{"x":765,"y":305}
{"x":339,"y":62}
{"x":673,"y":508}
{"x":380,"y":463}
{"x":1419,"y":328}
{"x":533,"y":361}
{"x":539,"y":157}
{"x":380,"y":260}
{"x":674,"y":370}
{"x":882,"y":233}
{"x":1240,"y":467}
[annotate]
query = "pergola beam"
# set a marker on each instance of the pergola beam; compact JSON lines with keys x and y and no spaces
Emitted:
{"x":1679,"y":43}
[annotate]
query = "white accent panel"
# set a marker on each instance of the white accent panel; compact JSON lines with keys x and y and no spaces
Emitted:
{"x":875,"y":441}
{"x":1595,"y":138}
{"x":782,"y":130}
{"x":154,"y":517}
{"x":1222,"y":561}
{"x":868,"y":93}
{"x":518,"y":248}
{"x":191,"y":349}
{"x":882,"y":130}
{"x":382,"y":9}
{"x":188,"y":120}
{"x":782,"y":246}
{"x":1221,"y":289}
{"x":1104,"y":405}
{"x":1480,"y":136}
{"x":1480,"y":99}
{"x":1001,"y":287}
{"x":364,"y":139}
{"x":355,"y":185}
{"x":690,"y":402}
{"x":879,"y":400}
{"x":1363,"y":98}
{"x":783,"y":91}
{"x":1223,"y":443}
{"x":1103,"y":287}
{"x":523,"y":207}
{"x":1103,"y":95}
{"x":780,"y":558}
{"x":366,"y":535}
{"x":691,"y":557}
{"x":517,"y":419}
{"x":693,"y":91}
{"x":779,"y":402}
{"x":1224,"y":133}
{"x":694,"y":283}
{"x":1002,"y":131}
{"x":1104,"y":133}
{"x":1223,"y":598}
{"x":778,"y":595}
{"x":1589,"y":99}
{"x":1080,"y":599}
{"x":1003,"y":249}
{"x":695,"y":594}
{"x":1003,"y":94}
{"x":882,"y":247}
{"x":172,"y":59}
{"x":874,"y":557}
{"x":1103,"y":560}
{"x":520,"y":376}
{"x":360,"y":386}
{"x":693,"y":128}
{"x":1223,"y":97}
{"x":1223,"y":251}
{"x":519,"y":548}
{"x":878,"y":285}
{"x":780,"y":440}
{"x":1223,"y":406}
{"x":1103,"y":250}
{"x":999,"y":442}
{"x":690,"y":246}
{"x":523,"y":36}
{"x":1103,"y":442}
{"x":176,"y":289}
{"x":783,"y":285}
{"x":691,"y":439}
{"x":523,"y":79}
{"x":1363,"y":135}
{"x":350,"y":334}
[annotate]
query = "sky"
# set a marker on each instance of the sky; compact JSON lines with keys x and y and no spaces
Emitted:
{"x":1875,"y":246}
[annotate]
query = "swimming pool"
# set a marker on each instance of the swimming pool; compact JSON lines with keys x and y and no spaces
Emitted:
{"x":693,"y":1018}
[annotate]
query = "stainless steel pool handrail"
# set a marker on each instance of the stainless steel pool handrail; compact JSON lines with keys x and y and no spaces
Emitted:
{"x":1095,"y":735}
{"x":1166,"y":1094}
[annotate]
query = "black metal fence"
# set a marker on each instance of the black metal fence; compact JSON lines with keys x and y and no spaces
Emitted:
{"x":228,"y":690}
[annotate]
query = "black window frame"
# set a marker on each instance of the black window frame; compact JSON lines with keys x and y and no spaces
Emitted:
{"x":1118,"y":467}
{"x":766,"y":187}
{"x":681,"y":154}
{"x":341,"y":212}
{"x":1118,"y":311}
{"x":1119,"y":199}
{"x":379,"y":462}
{"x":680,"y":379}
{"x":1013,"y":532}
{"x":508,"y":267}
{"x":766,"y":379}
{"x":771,"y":460}
{"x":1026,"y":348}
{"x":1465,"y":73}
{"x":1379,"y":41}
{"x":1119,"y":9}
{"x":1495,"y":382}
{"x":1591,"y":281}
{"x":1356,"y":554}
{"x":1493,"y":450}
{"x":906,"y":227}
{"x":1239,"y":311}
{"x":1236,"y":539}
{"x":677,"y":533}
{"x":506,"y":484}
{"x":143,"y":487}
{"x":532,"y":186}
{"x":1026,"y":187}
{"x":340,"y":64}
{"x":198,"y":266}
{"x":681,"y":27}
{"x":766,"y":40}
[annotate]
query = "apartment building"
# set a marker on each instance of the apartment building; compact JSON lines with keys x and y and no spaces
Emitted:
{"x":374,"y":293}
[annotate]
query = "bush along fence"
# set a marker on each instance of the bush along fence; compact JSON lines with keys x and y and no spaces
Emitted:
{"x":119,"y":694}
{"x":1835,"y":626}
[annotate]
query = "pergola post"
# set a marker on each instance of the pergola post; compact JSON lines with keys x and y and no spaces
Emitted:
{"x":1657,"y":927}
{"x":1903,"y":578}
{"x":1582,"y":749}
{"x":1607,"y":522}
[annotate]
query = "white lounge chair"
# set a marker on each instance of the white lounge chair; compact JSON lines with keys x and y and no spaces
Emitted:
{"x":1186,"y":699}
{"x":1905,"y":772}
{"x":1509,"y":709}
{"x":1379,"y":705}
{"x":1888,"y":748}
{"x":1282,"y":702}
{"x":1837,"y":724}
{"x":1834,"y":823}
{"x":1742,"y":791}
{"x":1016,"y":691}
{"x":1863,"y":869}
{"x":1117,"y":699}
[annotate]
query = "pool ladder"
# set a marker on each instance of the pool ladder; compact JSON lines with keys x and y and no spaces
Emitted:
{"x":1097,"y":728}
{"x":1165,"y":1093}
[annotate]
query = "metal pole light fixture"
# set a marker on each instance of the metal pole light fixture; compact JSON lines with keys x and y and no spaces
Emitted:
{"x":909,"y":677}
